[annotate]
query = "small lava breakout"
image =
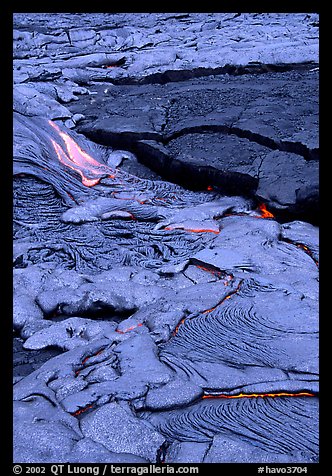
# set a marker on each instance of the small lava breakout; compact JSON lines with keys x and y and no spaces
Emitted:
{"x":166,"y":238}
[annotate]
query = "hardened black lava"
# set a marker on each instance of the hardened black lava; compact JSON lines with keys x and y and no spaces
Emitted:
{"x":165,"y":238}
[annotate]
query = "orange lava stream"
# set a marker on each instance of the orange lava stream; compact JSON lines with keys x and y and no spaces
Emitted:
{"x":79,"y":160}
{"x":178,"y":326}
{"x":193,"y":230}
{"x":264,"y":212}
{"x":129,"y":328}
{"x":78,"y":371}
{"x":261,"y":395}
{"x":82,"y":410}
{"x":224,"y":299}
{"x":214,"y":272}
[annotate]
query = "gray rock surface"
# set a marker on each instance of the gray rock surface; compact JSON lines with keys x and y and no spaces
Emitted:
{"x":240,"y":135}
{"x":162,"y":313}
{"x":121,"y":432}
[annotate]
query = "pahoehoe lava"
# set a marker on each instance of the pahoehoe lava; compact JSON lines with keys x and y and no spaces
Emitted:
{"x":166,"y":246}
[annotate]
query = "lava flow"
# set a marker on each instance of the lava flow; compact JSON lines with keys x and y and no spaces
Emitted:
{"x":260,"y":395}
{"x":79,"y":160}
{"x":78,"y":371}
{"x":302,"y":247}
{"x":264,"y":211}
{"x":225,"y":298}
{"x":176,"y":330}
{"x":194,"y":230}
{"x":214,"y":272}
{"x":82,"y":410}
{"x":129,"y":329}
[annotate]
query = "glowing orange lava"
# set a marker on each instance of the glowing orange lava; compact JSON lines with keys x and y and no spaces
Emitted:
{"x":71,"y":197}
{"x":129,"y":328}
{"x":215,"y":307}
{"x":194,"y":230}
{"x":78,"y":160}
{"x":82,"y":410}
{"x":177,"y":327}
{"x":229,"y":280}
{"x":78,"y":371}
{"x":215,"y":272}
{"x":264,"y":212}
{"x":302,"y":247}
{"x":225,"y":298}
{"x":262,"y":395}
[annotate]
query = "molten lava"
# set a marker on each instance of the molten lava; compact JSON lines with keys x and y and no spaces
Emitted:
{"x":78,"y":160}
{"x":178,"y":326}
{"x":194,"y":230}
{"x":77,"y":372}
{"x":302,"y":247}
{"x":214,"y":272}
{"x":129,"y":328}
{"x":262,"y":395}
{"x":264,"y":212}
{"x":225,"y":298}
{"x":82,"y":410}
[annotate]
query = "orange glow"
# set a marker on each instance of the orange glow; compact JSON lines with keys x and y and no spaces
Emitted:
{"x":262,"y":395}
{"x":79,"y":160}
{"x":129,"y":328}
{"x":82,"y":410}
{"x":215,"y":272}
{"x":77,"y":372}
{"x":302,"y":247}
{"x":224,"y":299}
{"x":307,"y":251}
{"x":193,"y":230}
{"x":219,"y":303}
{"x":177,"y":327}
{"x":264,"y":212}
{"x":210,"y":310}
{"x":229,"y":280}
{"x":70,"y":196}
{"x":209,"y":188}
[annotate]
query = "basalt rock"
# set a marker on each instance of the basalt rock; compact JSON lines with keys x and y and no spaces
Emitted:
{"x":165,"y":276}
{"x":240,"y":137}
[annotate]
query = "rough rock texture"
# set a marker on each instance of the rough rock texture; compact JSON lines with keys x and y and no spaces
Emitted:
{"x":162,"y":313}
{"x":240,"y":135}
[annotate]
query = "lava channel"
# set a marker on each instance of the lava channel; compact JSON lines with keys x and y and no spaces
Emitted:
{"x":78,"y":160}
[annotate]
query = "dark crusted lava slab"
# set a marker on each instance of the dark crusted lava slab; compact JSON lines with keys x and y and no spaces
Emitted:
{"x":250,"y":135}
{"x":27,"y":361}
{"x":185,"y":322}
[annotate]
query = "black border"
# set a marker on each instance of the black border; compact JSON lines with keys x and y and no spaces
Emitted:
{"x":7,"y":190}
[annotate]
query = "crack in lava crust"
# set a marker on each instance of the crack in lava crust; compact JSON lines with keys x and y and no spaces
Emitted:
{"x":180,"y":325}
